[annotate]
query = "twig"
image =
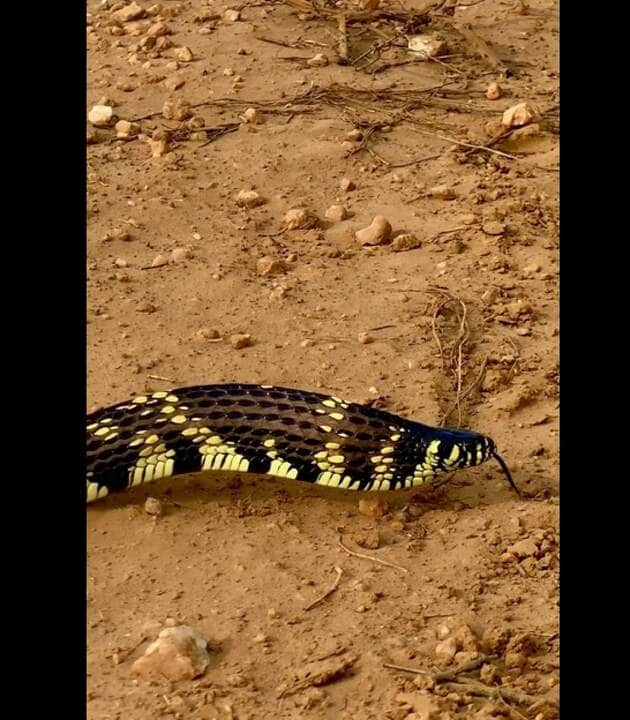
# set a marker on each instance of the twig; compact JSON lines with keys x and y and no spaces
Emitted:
{"x":329,"y":592}
{"x":129,"y":652}
{"x":370,"y":557}
{"x":343,"y":41}
{"x":477,"y":688}
{"x":486,"y":148}
{"x":415,"y":671}
{"x":160,"y":377}
{"x":451,"y":675}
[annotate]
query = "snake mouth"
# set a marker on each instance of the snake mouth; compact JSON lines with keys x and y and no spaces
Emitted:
{"x":506,"y":471}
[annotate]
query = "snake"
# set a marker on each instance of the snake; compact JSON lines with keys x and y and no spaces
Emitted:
{"x":269,"y":430}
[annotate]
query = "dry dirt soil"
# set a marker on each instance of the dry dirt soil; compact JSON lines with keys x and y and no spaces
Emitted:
{"x":176,"y":268}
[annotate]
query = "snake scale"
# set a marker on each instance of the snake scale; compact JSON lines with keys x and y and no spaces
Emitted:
{"x":270,"y":430}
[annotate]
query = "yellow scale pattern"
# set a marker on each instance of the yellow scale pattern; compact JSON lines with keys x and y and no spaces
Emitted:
{"x":331,"y":460}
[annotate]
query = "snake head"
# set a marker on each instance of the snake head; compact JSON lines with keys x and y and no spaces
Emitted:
{"x":445,"y":449}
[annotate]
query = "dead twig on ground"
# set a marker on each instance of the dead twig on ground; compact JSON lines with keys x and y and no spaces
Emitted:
{"x":370,"y":557}
{"x":343,"y":40}
{"x":451,"y":675}
{"x":328,"y":592}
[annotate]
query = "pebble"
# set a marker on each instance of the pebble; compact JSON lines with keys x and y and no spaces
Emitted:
{"x":365,"y":338}
{"x":159,"y":147}
{"x":120,"y":262}
{"x":125,"y":129}
{"x":158,"y":29}
{"x":377,"y":233}
{"x":489,"y":296}
{"x":179,"y":254}
{"x":519,"y":115}
{"x":319,"y":60}
{"x":159,"y":261}
{"x":153,"y":506}
{"x":271,"y":266}
{"x":147,"y":307}
{"x":369,"y":539}
{"x":240,"y":341}
{"x":261,"y":639}
{"x":425,"y":46}
{"x":300,"y":219}
{"x":405,"y":241}
{"x":514,"y":660}
{"x":183,"y":54}
{"x":443,"y":631}
{"x":176,"y":109}
{"x":130,"y":12}
{"x":207,"y":334}
{"x":373,"y":507}
{"x":346,"y":184}
{"x":231,"y":16}
{"x":445,"y":650}
{"x":173,"y":83}
{"x":355,"y":135}
{"x":179,"y":653}
{"x":336,"y":213}
{"x":249,"y":199}
{"x":101,"y":115}
{"x":252,"y":116}
{"x":465,"y":639}
{"x":493,"y":91}
{"x":307,"y":342}
{"x":442,"y":192}
{"x":92,"y":137}
{"x":493,"y":227}
{"x":523,"y":548}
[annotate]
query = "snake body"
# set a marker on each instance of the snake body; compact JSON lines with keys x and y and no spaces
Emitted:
{"x":270,"y":430}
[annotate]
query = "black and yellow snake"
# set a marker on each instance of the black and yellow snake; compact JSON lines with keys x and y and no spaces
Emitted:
{"x":270,"y":430}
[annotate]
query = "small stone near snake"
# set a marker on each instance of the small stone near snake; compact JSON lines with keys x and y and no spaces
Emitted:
{"x":249,"y":199}
{"x":336,"y":213}
{"x":179,"y":653}
{"x":493,"y":91}
{"x":101,"y":115}
{"x":377,"y":233}
{"x":152,"y":506}
{"x":270,"y":266}
{"x":373,"y":507}
{"x":241,"y":340}
{"x":183,"y":54}
{"x":300,"y":219}
{"x":147,"y":307}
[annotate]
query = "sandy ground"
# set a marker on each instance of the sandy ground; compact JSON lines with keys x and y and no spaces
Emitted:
{"x":176,"y":267}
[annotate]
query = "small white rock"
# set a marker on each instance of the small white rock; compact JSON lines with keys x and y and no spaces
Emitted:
{"x":300,"y":219}
{"x":101,"y":115}
{"x":493,"y":91}
{"x":377,"y":233}
{"x":425,"y":46}
{"x":152,"y":506}
{"x":249,"y":199}
{"x":179,"y":653}
{"x":336,"y":213}
{"x":183,"y":54}
{"x":445,"y":650}
{"x":520,"y":114}
{"x":231,"y":16}
{"x":125,"y":129}
{"x":252,"y":116}
{"x":319,"y":60}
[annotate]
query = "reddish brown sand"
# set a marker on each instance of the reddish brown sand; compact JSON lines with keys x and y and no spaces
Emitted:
{"x":240,"y":558}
